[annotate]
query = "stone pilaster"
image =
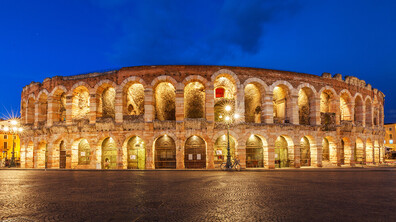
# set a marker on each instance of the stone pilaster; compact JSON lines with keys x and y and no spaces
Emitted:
{"x":36,"y":113}
{"x":292,"y":109}
{"x":210,"y":156}
{"x":240,"y":103}
{"x":316,"y":153}
{"x":180,"y":153}
{"x":118,"y":108}
{"x":69,"y":110}
{"x":148,"y":105}
{"x":209,"y":105}
{"x":315,"y":113}
{"x":241,"y":153}
{"x":92,"y":109}
{"x":268,"y":109}
{"x":179,"y":105}
{"x":297,"y":156}
{"x":50,"y":111}
{"x":269,"y":155}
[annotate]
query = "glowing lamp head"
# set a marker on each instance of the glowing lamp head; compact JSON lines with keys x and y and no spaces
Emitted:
{"x":14,"y":129}
{"x":236,"y":116}
{"x":228,"y":108}
{"x":14,"y":122}
{"x":6,"y":129}
{"x":227,"y":118}
{"x":221,"y":117}
{"x":20,"y":129}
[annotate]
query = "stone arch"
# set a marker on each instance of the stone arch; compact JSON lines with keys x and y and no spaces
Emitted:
{"x":256,"y":149}
{"x":109,"y":153}
{"x":77,"y":85}
{"x":228,"y":72}
{"x":133,"y":98}
{"x":306,"y":103}
{"x":164,"y":78}
{"x":369,"y":151}
{"x":329,"y":151}
{"x":359,"y":156}
{"x":40,"y":155}
{"x":58,"y":103}
{"x":164,"y":152}
{"x":42,"y":106}
{"x":282,"y":92}
{"x":254,"y":91}
{"x":80,"y":101}
{"x":133,"y":79}
{"x":195,"y":152}
{"x":346,"y":105}
{"x":284,"y":151}
{"x":220,"y":151}
{"x":165,"y":100}
{"x":105,"y":98}
{"x":195,"y":78}
{"x":359,"y":111}
{"x":369,"y":111}
{"x":345,"y":151}
{"x":194,"y":100}
{"x":225,"y":94}
{"x":307,"y":150}
{"x":134,"y":152}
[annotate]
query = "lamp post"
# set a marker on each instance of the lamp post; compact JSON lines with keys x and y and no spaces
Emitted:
{"x":228,"y":120}
{"x":13,"y":131}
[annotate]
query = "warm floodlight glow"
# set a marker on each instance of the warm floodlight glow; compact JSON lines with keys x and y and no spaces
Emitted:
{"x":14,"y":129}
{"x":220,"y":116}
{"x":228,"y":108}
{"x":227,"y":118}
{"x":236,"y":115}
{"x":6,"y":128}
{"x":20,"y":129}
{"x":14,"y":122}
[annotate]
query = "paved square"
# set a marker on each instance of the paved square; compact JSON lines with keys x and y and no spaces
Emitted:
{"x":298,"y":195}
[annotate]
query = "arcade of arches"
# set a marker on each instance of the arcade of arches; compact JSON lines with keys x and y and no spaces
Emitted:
{"x":175,"y":118}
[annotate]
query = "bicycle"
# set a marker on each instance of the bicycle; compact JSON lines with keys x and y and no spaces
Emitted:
{"x":235,"y":165}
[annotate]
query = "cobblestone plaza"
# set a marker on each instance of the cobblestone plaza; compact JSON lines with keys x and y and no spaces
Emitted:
{"x":282,"y":195}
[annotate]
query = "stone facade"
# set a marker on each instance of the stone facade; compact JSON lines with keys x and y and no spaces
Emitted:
{"x":151,"y":117}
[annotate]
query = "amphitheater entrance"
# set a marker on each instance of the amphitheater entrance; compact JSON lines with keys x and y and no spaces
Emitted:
{"x":359,"y":152}
{"x":62,"y":155}
{"x":165,"y":153}
{"x":281,"y":153}
{"x":136,"y":153}
{"x":254,"y":152}
{"x":40,"y":156}
{"x":220,"y":150}
{"x":109,"y":154}
{"x":305,"y":152}
{"x":84,"y":152}
{"x":195,"y":152}
{"x":369,"y":151}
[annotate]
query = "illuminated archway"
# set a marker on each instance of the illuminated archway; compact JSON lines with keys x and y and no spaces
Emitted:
{"x":252,"y":103}
{"x":220,"y":149}
{"x":305,"y":105}
{"x":305,"y":152}
{"x":281,"y":152}
{"x":194,"y":100}
{"x":195,"y":152}
{"x":84,"y":152}
{"x":80,"y":104}
{"x":136,"y":150}
{"x":281,"y":103}
{"x":165,"y":106}
{"x":165,"y":153}
{"x":255,"y":151}
{"x":134,"y":99}
{"x":109,"y":154}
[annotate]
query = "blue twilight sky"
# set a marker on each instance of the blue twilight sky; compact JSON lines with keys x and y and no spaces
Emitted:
{"x":42,"y":39}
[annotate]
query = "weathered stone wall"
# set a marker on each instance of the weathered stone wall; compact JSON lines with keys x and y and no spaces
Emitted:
{"x":274,"y":105}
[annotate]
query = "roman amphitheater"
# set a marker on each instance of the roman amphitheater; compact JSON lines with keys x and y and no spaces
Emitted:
{"x":152,"y":117}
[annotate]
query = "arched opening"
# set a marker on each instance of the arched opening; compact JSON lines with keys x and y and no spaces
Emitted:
{"x":109,"y":154}
{"x":325,"y":150}
{"x":62,"y":155}
{"x":165,"y":153}
{"x":346,"y":151}
{"x":381,"y":115}
{"x":305,"y":105}
{"x":225,"y":94}
{"x":29,"y":157}
{"x":281,"y":152}
{"x":133,"y":100}
{"x":305,"y":152}
{"x":376,"y":152}
{"x":281,"y":101}
{"x":369,"y":151}
{"x":195,"y":152}
{"x":328,"y":107}
{"x":84,"y":152}
{"x":43,"y":109}
{"x":329,"y":152}
{"x":220,"y":149}
{"x":30,"y":111}
{"x":359,"y":112}
{"x":59,"y":106}
{"x":359,"y":152}
{"x":80,"y":104}
{"x":345,"y":107}
{"x":254,"y":152}
{"x":136,"y":149}
{"x":106,"y":101}
{"x":194,"y":100}
{"x":40,"y":156}
{"x":165,"y":95}
{"x":252,"y":103}
{"x":369,"y":114}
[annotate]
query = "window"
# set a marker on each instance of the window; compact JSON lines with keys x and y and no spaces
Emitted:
{"x":5,"y":137}
{"x":390,"y":129}
{"x":5,"y":145}
{"x":390,"y":141}
{"x":390,"y":136}
{"x":15,"y":137}
{"x":220,"y":93}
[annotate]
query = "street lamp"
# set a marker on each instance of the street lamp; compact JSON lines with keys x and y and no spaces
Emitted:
{"x":229,"y":119}
{"x":14,"y":130}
